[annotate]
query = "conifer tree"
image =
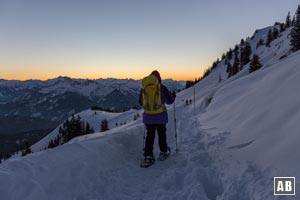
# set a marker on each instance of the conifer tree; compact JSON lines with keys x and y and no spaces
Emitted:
{"x":226,"y":61}
{"x":92,"y":130}
{"x":260,"y":43}
{"x":295,"y":33}
{"x":51,"y":144}
{"x":275,"y":33}
{"x":206,"y":73}
{"x":70,"y":129}
{"x":236,"y":50}
{"x":282,"y":27}
{"x":288,"y":20}
{"x":88,"y":128}
{"x":269,"y":38}
{"x":229,"y":70}
{"x":79,"y":126}
{"x":229,"y":54}
{"x":189,"y":84}
{"x":245,"y":54}
{"x":215,"y":64}
{"x":27,"y":149}
{"x":104,"y":125}
{"x":242,"y":42}
{"x":63,"y":133}
{"x":235,"y":66}
{"x":56,"y":141}
{"x":293,"y":21}
{"x":255,"y":63}
{"x":223,"y":56}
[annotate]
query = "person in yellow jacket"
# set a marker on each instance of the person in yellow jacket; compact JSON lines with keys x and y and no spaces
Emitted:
{"x":155,"y":116}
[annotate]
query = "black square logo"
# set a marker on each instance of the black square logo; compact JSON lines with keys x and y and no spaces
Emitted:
{"x":284,"y":185}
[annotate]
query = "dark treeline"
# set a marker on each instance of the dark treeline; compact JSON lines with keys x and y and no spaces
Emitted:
{"x":70,"y":129}
{"x":242,"y":54}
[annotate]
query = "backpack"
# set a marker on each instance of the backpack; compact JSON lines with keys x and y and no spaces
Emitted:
{"x":151,"y":94}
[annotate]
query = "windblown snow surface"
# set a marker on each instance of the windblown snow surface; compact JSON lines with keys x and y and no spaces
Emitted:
{"x":232,"y":141}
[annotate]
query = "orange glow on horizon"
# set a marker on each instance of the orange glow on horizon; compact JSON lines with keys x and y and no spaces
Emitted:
{"x":175,"y":72}
{"x":43,"y":77}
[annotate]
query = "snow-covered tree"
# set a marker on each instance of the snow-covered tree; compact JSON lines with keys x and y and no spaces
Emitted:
{"x":104,"y":125}
{"x":282,"y":27}
{"x":70,"y":129}
{"x":220,"y":78}
{"x":189,"y":84}
{"x":293,"y":21}
{"x":242,"y":42}
{"x":260,"y":43}
{"x":288,"y":21}
{"x":236,"y":50}
{"x":245,"y":54}
{"x":269,"y":38}
{"x":229,"y":54}
{"x":295,"y":33}
{"x":88,"y":129}
{"x":275,"y":33}
{"x":255,"y":63}
{"x":236,"y":65}
{"x":223,"y":56}
{"x":228,"y":67}
{"x":27,"y":149}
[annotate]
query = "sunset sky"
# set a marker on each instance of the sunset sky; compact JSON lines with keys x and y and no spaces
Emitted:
{"x":41,"y":39}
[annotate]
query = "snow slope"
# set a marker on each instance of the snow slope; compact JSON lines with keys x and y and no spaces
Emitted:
{"x":262,"y":111}
{"x":238,"y":135}
{"x":106,"y":166}
{"x":94,"y":118}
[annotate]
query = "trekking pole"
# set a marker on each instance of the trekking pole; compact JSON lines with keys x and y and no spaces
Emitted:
{"x":176,"y":149}
{"x":194,"y":96}
{"x":144,"y":138}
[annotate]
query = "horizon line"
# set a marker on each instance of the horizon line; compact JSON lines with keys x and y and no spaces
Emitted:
{"x":81,"y":78}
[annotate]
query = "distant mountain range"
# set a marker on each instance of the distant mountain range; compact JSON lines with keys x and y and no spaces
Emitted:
{"x":34,"y":105}
{"x":58,"y":98}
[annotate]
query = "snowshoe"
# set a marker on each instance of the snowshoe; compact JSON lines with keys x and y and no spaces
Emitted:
{"x":164,"y":155}
{"x":147,"y":161}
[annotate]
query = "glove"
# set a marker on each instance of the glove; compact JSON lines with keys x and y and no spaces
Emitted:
{"x":174,"y":94}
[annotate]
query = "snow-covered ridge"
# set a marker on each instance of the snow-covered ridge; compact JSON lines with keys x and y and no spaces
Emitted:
{"x":83,"y":86}
{"x":57,"y":98}
{"x":94,"y":118}
{"x":63,"y":84}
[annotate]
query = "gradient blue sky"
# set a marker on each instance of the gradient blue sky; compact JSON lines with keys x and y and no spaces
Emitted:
{"x":41,"y":39}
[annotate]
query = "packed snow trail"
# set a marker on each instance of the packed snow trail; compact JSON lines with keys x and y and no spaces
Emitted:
{"x":106,"y":166}
{"x":102,"y":168}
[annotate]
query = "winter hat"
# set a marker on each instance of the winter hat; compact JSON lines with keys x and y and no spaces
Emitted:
{"x":156,"y":73}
